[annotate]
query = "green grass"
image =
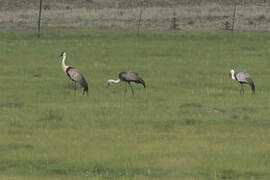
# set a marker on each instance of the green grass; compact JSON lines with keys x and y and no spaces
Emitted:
{"x":189,"y":123}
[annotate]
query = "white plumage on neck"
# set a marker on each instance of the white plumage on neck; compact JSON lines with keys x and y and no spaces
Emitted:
{"x":232,"y":74}
{"x":113,"y":81}
{"x":64,"y":66}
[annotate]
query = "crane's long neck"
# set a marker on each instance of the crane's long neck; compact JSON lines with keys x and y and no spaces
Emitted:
{"x":233,"y":75}
{"x":64,"y":66}
{"x":113,"y":81}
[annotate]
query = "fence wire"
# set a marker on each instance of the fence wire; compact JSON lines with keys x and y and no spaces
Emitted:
{"x":250,"y":15}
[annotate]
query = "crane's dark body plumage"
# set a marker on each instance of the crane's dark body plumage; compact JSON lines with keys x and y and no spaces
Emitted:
{"x":76,"y":76}
{"x":244,"y":78}
{"x":131,"y":77}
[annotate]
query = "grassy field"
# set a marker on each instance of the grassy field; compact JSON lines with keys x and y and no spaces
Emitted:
{"x":189,"y":123}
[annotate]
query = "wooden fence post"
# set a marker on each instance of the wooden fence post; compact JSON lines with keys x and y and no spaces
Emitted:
{"x":39,"y":17}
{"x":234,"y":14}
{"x":141,"y":4}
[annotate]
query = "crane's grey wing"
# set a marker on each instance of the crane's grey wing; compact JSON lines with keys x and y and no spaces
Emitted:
{"x":128,"y":76}
{"x":134,"y":73}
{"x":243,"y":77}
{"x":133,"y":76}
{"x":136,"y":78}
{"x":76,"y":75}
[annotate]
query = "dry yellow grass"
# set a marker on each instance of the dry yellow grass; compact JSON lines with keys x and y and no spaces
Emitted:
{"x":208,"y":16}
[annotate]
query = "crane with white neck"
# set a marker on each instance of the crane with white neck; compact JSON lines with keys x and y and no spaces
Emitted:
{"x":74,"y":74}
{"x":242,"y":78}
{"x":127,"y":77}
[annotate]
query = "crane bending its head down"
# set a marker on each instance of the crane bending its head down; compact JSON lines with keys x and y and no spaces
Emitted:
{"x":74,"y":74}
{"x":242,"y":78}
{"x":127,"y":77}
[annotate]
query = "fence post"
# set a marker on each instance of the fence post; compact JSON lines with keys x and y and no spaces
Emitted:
{"x":141,"y":4}
{"x":234,"y":14}
{"x":39,"y":17}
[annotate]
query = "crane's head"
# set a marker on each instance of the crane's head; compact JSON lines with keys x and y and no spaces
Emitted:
{"x":109,"y":83}
{"x":231,"y":73}
{"x":63,"y":54}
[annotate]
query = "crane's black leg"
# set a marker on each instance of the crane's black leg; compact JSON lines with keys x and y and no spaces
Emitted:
{"x":125,"y":88}
{"x":75,"y":86}
{"x":242,"y":89}
{"x":131,"y":88}
{"x":69,"y":83}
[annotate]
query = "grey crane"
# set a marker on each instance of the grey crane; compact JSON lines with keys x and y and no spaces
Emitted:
{"x":242,"y":78}
{"x":128,"y":77}
{"x":74,"y":74}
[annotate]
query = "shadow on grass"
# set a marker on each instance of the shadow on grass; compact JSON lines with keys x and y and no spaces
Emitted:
{"x":232,"y":174}
{"x":62,"y":168}
{"x":56,"y":167}
{"x":52,"y":119}
{"x":15,"y":146}
{"x":190,"y":105}
{"x":11,"y":105}
{"x":52,"y":116}
{"x":168,"y":125}
{"x":240,"y":117}
{"x":192,"y":121}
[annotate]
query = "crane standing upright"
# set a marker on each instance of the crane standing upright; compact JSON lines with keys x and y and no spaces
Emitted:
{"x":74,"y":74}
{"x":242,"y":78}
{"x":128,"y":77}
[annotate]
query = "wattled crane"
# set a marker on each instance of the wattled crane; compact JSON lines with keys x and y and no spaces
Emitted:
{"x":74,"y":74}
{"x":127,"y":77}
{"x":242,"y":78}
